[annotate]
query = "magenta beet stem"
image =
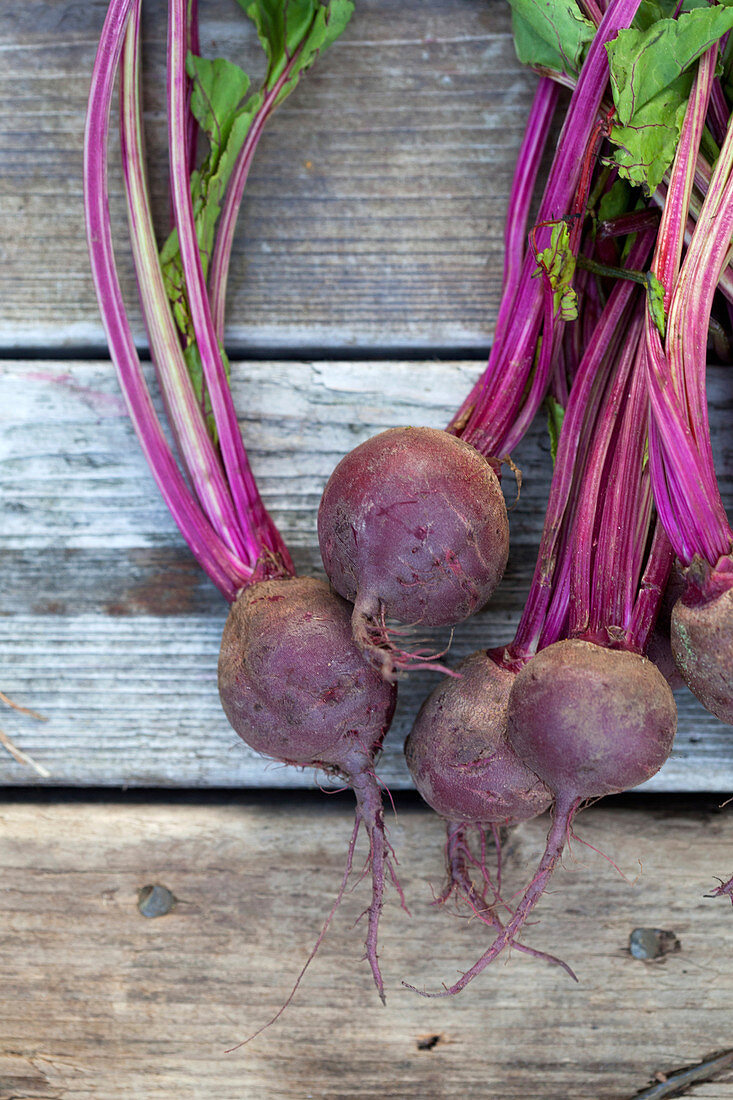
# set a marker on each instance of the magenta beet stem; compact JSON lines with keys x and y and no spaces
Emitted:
{"x":222,"y":252}
{"x":205,"y":545}
{"x":498,"y":410}
{"x":572,"y":455}
{"x":184,"y":413}
{"x":680,"y":454}
{"x":244,"y":491}
{"x":534,"y":142}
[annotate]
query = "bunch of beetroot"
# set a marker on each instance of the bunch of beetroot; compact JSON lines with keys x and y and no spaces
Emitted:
{"x":609,"y":293}
{"x":573,"y":709}
{"x":292,"y":681}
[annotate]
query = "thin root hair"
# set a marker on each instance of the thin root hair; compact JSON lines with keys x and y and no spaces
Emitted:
{"x":22,"y":710}
{"x":324,"y":929}
{"x":575,"y":836}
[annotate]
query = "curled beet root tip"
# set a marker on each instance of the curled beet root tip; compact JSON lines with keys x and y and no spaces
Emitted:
{"x":378,"y":644}
{"x":459,"y":861}
{"x":507,"y":933}
{"x":724,"y":890}
{"x":314,"y":950}
{"x":380,"y":862}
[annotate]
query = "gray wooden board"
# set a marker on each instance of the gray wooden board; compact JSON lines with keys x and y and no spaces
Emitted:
{"x":98,"y":1001}
{"x":108,"y":627}
{"x":375,"y":206}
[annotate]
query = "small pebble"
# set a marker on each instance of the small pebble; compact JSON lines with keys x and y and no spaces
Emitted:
{"x":652,"y":943}
{"x":155,"y":901}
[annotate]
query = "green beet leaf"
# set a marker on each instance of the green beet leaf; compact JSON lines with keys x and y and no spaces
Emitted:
{"x":196,"y":371}
{"x":616,"y":201}
{"x":550,"y":35}
{"x":655,"y":300}
{"x":295,"y":30}
{"x":651,"y":77}
{"x":557,"y":264}
{"x":646,"y":147}
{"x":555,"y":417}
{"x":652,"y":11}
{"x":218,"y":88}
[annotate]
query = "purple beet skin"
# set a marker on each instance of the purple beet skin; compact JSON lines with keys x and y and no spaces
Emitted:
{"x":464,"y":767}
{"x":295,"y":687}
{"x":659,"y":645}
{"x":702,"y":643}
{"x":412,"y":527}
{"x":293,"y":684}
{"x":591,"y":721}
{"x":459,"y":756}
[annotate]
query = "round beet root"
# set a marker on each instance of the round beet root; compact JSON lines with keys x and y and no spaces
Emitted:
{"x":702,"y":643}
{"x":295,"y":687}
{"x":464,"y":767}
{"x":412,"y":527}
{"x":293,"y":683}
{"x":659,"y":645}
{"x":591,"y":721}
{"x":458,"y":753}
{"x":659,"y":652}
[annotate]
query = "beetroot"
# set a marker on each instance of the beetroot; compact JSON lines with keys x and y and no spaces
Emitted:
{"x":465,"y":768}
{"x":591,"y":721}
{"x":458,"y":753}
{"x":292,"y":681}
{"x":586,"y":713}
{"x":702,"y":643}
{"x":295,"y":687}
{"x":293,"y":684}
{"x":412,"y":526}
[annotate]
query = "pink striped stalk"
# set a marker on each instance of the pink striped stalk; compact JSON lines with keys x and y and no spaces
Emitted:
{"x":215,"y":558}
{"x":725,"y":282}
{"x":184,"y":414}
{"x":501,"y":406}
{"x":223,"y":243}
{"x":546,"y":609}
{"x":534,"y":143}
{"x":242,"y":485}
{"x":194,"y":47}
{"x":537,"y":132}
{"x":683,"y":474}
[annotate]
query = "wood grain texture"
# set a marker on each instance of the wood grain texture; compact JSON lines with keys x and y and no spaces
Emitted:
{"x":98,"y":1001}
{"x":374,"y":209}
{"x":108,"y":627}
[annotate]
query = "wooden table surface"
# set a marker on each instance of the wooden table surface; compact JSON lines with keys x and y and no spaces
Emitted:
{"x":99,"y":1001}
{"x":363,"y":294}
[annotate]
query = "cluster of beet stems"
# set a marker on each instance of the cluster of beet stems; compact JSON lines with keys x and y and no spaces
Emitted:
{"x":608,"y":319}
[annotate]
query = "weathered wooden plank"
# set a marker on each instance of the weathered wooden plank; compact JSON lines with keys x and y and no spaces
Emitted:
{"x":133,"y":702}
{"x":99,"y":1002}
{"x":73,"y":475}
{"x":108,"y":627}
{"x":374,"y":209}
